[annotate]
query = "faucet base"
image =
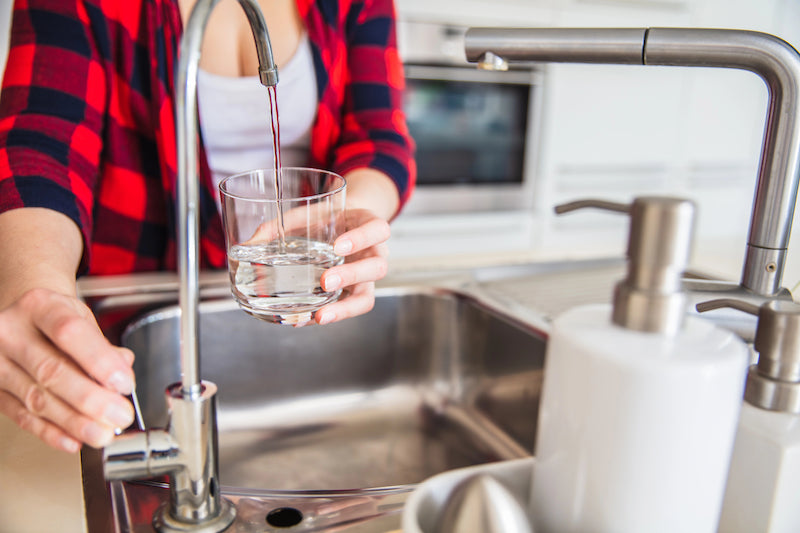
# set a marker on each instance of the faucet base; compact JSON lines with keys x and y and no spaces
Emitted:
{"x":164,"y":522}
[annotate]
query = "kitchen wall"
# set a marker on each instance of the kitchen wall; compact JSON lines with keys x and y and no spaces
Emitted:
{"x":619,"y":131}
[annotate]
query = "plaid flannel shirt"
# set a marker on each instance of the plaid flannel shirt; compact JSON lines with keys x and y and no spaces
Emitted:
{"x":87,"y":122}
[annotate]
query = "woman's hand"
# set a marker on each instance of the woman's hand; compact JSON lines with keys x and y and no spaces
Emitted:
{"x":363,"y":244}
{"x":372,"y":200}
{"x":60,"y":378}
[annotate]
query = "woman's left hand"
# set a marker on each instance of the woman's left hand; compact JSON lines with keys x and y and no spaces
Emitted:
{"x":363,"y":245}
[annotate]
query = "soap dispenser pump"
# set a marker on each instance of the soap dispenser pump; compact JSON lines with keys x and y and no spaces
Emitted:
{"x":640,"y":401}
{"x":763,"y":491}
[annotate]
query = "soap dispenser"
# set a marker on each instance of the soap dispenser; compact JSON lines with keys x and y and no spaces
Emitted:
{"x":763,"y":492}
{"x":640,"y":401}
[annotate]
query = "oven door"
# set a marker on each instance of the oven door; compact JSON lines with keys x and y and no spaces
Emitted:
{"x":475,"y":137}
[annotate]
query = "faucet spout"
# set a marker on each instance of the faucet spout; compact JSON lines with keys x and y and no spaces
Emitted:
{"x":188,"y":197}
{"x":771,"y":58}
{"x":187,"y":450}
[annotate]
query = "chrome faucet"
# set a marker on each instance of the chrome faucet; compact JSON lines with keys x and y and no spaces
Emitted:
{"x":186,"y":450}
{"x":773,"y":59}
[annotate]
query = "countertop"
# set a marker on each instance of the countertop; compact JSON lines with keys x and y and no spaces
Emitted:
{"x":40,"y":488}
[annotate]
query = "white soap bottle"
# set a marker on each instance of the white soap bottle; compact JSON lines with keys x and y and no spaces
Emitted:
{"x":763,"y":491}
{"x":640,"y":401}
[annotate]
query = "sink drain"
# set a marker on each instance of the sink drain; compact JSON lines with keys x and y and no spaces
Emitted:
{"x":284,"y":517}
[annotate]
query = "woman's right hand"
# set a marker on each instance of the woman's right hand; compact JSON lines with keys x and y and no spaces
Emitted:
{"x":60,"y":378}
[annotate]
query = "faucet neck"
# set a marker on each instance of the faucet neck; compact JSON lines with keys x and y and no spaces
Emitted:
{"x":188,"y":196}
{"x":778,"y":64}
{"x":196,"y":503}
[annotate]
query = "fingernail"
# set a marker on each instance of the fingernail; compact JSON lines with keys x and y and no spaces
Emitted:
{"x":118,"y":416}
{"x":332,"y":282}
{"x":97,"y":435}
{"x":121,"y":382}
{"x":327,"y":317}
{"x":69,"y":445}
{"x":126,"y":354}
{"x":342,"y":247}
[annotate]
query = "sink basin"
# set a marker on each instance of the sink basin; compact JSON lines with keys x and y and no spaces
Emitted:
{"x":430,"y":380}
{"x":330,"y":428}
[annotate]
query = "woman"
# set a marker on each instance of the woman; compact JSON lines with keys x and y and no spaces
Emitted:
{"x":87,"y":172}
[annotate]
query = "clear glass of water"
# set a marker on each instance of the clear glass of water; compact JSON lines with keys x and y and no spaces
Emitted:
{"x":279,"y":237}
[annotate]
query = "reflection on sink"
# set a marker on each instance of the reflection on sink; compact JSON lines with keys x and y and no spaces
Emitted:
{"x":430,"y":380}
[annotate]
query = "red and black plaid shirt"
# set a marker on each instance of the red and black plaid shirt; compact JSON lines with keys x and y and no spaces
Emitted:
{"x":87,"y":122}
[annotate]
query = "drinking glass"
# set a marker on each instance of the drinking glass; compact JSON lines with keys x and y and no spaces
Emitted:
{"x":279,"y":239}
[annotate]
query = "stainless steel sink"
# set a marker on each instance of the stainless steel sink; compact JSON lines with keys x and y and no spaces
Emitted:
{"x":430,"y":380}
{"x":334,"y":425}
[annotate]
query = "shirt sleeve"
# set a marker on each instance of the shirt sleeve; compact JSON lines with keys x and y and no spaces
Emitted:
{"x":374,"y":129}
{"x":52,"y":106}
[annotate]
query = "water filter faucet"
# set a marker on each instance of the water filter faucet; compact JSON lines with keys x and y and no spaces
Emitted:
{"x":187,"y":449}
{"x":773,"y":59}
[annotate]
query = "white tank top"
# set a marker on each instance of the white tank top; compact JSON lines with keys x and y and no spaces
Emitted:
{"x":235,"y":117}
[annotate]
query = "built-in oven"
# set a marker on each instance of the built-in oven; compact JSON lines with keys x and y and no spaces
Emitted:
{"x":476,"y":131}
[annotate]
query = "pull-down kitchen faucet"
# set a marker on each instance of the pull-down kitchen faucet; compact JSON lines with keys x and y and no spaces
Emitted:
{"x":187,"y":449}
{"x":774,"y":60}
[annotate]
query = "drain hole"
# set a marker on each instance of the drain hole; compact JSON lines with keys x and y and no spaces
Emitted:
{"x":284,"y":517}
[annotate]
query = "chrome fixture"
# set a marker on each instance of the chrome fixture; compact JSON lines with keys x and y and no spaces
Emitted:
{"x":651,"y":297}
{"x":187,"y":449}
{"x":773,"y":59}
{"x":773,"y":383}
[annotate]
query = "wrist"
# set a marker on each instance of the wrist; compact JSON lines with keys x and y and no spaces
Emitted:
{"x":372,"y":190}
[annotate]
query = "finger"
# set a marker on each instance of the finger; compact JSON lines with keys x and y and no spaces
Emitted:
{"x":371,"y":233}
{"x":80,"y":407}
{"x":44,"y":430}
{"x":83,"y":310}
{"x":127,"y":355}
{"x":364,"y":270}
{"x":379,"y":250}
{"x":361,"y":300}
{"x":80,"y":339}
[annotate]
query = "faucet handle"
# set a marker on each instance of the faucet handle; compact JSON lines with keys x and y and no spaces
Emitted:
{"x":774,"y":382}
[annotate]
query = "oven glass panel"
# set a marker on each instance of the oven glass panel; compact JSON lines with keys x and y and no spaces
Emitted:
{"x":467,"y":132}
